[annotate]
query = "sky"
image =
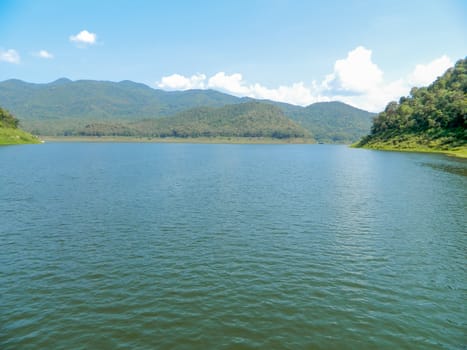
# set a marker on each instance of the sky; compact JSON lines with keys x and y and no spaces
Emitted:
{"x":362,"y":52}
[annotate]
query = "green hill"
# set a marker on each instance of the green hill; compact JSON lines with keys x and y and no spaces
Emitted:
{"x":333,"y":122}
{"x":66,"y":107}
{"x":251,"y":119}
{"x":432,"y":118}
{"x":9,"y":132}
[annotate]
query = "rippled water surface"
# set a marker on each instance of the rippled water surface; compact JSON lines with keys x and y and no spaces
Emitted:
{"x":178,"y":246}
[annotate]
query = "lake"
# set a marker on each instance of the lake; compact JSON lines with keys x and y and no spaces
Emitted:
{"x":191,"y":246}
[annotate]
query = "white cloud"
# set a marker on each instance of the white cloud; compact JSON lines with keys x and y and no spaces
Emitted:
{"x":375,"y":99}
{"x":357,"y":72}
{"x":179,"y":82}
{"x":355,"y":80}
{"x":84,"y":38}
{"x":231,"y":83}
{"x":297,"y":93}
{"x":10,"y":56}
{"x":44,"y":54}
{"x":358,"y":81}
{"x":424,"y":74}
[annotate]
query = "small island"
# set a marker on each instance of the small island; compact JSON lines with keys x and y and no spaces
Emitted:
{"x":431,"y":119}
{"x":10,"y":134}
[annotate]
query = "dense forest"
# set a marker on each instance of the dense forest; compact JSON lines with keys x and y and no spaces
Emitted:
{"x":251,"y":119}
{"x":7,"y":120}
{"x":9,"y":132}
{"x":332,"y":122}
{"x":83,"y":107}
{"x":433,"y":117}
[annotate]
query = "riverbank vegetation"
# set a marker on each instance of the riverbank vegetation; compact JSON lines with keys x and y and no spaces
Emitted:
{"x":432,"y":118}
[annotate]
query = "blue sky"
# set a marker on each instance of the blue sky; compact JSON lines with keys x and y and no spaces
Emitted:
{"x":361,"y":52}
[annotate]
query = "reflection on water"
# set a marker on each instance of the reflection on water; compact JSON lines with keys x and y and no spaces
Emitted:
{"x":453,"y":165}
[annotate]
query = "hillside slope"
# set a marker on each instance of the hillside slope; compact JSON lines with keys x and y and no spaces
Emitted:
{"x":9,"y":132}
{"x":432,"y":118}
{"x":251,"y":119}
{"x":333,"y":122}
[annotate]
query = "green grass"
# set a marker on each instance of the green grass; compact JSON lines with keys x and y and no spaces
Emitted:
{"x":10,"y":136}
{"x":460,"y":152}
{"x":450,"y":144}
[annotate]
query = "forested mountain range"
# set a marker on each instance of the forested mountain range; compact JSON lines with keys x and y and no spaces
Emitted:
{"x":433,"y":117}
{"x":66,"y":107}
{"x":250,"y":119}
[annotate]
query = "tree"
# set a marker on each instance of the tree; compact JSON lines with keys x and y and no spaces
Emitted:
{"x":7,"y":120}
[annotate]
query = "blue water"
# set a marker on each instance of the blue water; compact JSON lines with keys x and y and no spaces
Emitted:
{"x":179,"y":246}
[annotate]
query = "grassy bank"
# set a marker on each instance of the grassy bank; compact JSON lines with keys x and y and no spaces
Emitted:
{"x":214,"y":140}
{"x":417,"y":143}
{"x":459,"y":152}
{"x":10,"y":136}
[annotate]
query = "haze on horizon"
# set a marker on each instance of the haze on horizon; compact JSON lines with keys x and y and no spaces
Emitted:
{"x":289,"y":51}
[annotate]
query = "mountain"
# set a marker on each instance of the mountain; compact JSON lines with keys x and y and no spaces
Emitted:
{"x":332,"y":122}
{"x":98,"y":100}
{"x":432,"y":118}
{"x":250,"y":119}
{"x":9,"y":132}
{"x":65,"y":107}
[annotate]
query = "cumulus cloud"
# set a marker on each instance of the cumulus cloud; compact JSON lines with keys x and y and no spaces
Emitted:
{"x":375,"y":99}
{"x":424,"y":74}
{"x":44,"y":54}
{"x":357,"y":72}
{"x":355,"y":80}
{"x":10,"y":56}
{"x":358,"y":81}
{"x":180,"y":82}
{"x":232,"y":83}
{"x":84,"y":38}
{"x":296,"y":93}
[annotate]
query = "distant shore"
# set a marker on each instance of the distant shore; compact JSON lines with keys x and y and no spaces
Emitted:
{"x":213,"y":140}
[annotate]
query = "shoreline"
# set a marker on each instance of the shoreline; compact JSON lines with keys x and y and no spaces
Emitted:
{"x":458,"y":153}
{"x":15,"y":136}
{"x":194,"y":140}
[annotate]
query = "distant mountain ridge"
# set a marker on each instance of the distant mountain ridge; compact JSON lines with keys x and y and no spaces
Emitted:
{"x":331,"y":121}
{"x":94,"y":99}
{"x":65,"y":107}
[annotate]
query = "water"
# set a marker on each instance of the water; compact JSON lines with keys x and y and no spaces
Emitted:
{"x":177,"y":246}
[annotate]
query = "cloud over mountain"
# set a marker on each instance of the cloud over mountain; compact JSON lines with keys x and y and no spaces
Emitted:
{"x":355,"y":80}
